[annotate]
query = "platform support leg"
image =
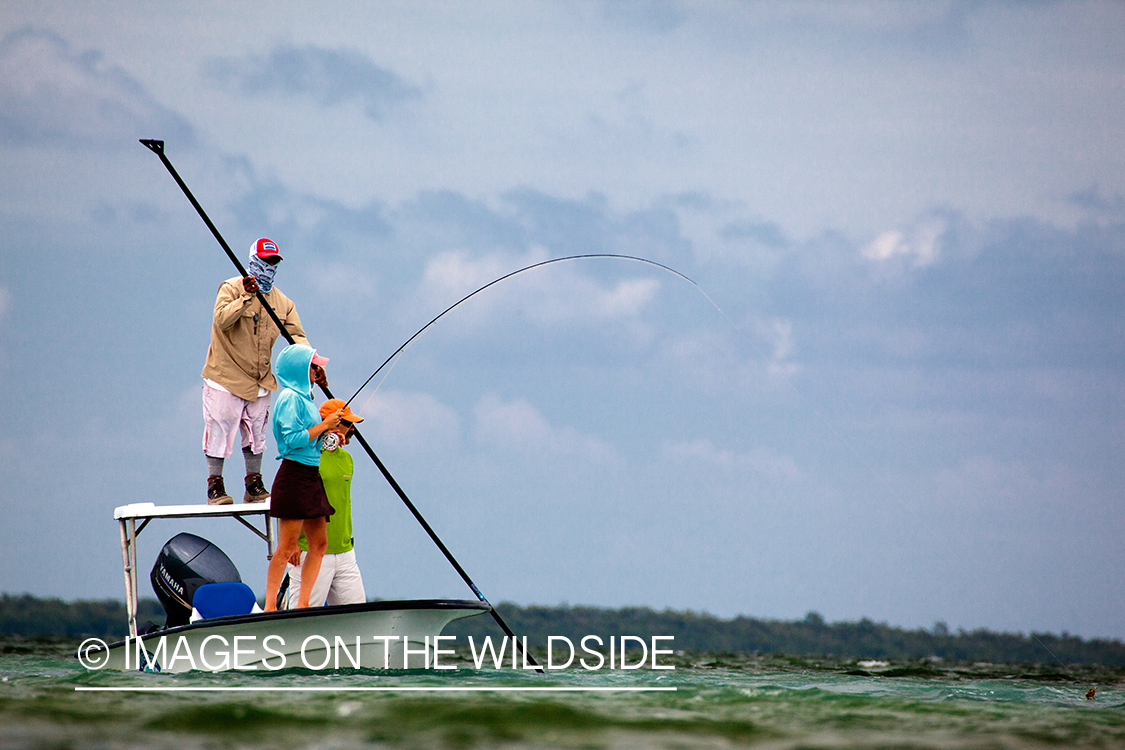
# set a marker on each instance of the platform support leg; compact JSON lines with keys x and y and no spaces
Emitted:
{"x":127,"y":543}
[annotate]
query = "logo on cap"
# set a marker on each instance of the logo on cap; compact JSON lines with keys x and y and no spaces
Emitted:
{"x":266,"y":248}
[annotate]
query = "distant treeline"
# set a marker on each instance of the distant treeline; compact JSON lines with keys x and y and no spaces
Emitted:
{"x":103,"y":618}
{"x":30,"y":616}
{"x":811,"y":636}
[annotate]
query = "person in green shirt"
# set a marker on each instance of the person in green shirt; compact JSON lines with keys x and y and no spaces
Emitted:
{"x":339,"y":580}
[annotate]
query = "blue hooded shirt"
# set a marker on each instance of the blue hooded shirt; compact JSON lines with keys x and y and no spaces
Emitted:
{"x":294,"y":412}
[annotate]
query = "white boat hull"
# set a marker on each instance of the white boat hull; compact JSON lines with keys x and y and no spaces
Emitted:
{"x":375,"y":635}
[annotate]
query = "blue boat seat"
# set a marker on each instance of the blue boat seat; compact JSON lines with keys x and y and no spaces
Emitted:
{"x":223,"y":599}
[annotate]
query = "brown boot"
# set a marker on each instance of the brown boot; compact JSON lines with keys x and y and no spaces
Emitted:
{"x":255,"y":490}
{"x":217,"y":493}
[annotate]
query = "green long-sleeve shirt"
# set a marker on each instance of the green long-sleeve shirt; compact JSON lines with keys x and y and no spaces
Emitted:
{"x":336,"y":472}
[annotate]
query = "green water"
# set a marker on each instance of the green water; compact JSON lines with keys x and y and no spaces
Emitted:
{"x":720,"y":701}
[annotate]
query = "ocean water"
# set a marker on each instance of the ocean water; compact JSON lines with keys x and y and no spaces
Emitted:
{"x":719,"y":701}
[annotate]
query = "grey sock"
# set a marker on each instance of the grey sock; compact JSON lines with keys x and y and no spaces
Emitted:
{"x":253,"y":461}
{"x":214,"y":466}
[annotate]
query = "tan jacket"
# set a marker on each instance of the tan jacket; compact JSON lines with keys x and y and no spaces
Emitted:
{"x":242,"y":337}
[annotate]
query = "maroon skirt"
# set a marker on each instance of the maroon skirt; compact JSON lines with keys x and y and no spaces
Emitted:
{"x":297,"y":492}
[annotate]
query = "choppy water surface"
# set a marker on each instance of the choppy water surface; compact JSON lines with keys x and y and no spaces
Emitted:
{"x":720,"y":701}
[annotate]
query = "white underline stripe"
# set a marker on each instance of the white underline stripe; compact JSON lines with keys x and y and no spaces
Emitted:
{"x":409,"y":689}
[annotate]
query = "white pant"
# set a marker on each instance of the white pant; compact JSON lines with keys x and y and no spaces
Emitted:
{"x":339,"y":582}
{"x":226,"y":417}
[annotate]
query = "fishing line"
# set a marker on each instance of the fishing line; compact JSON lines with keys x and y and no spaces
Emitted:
{"x":818,"y":413}
{"x":474,"y":293}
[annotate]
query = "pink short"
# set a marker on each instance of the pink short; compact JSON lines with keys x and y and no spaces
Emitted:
{"x":226,"y":417}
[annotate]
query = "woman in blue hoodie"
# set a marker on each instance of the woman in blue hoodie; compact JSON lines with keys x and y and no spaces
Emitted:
{"x":298,"y":501}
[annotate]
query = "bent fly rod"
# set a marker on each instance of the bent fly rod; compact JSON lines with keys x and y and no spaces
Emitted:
{"x":157,"y":147}
{"x":531,"y":267}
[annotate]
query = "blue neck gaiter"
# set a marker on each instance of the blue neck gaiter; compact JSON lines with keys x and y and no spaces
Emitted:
{"x":262,"y":272}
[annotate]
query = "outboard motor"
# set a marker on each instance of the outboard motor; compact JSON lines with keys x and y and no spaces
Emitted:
{"x":186,"y":563}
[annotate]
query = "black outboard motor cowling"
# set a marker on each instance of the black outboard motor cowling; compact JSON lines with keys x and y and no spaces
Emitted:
{"x":186,"y":563}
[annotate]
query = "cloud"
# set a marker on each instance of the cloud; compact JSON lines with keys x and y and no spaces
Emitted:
{"x":1098,"y":205}
{"x":301,"y":220}
{"x":627,"y":298}
{"x":572,"y":227}
{"x":50,"y":93}
{"x":453,"y":274}
{"x":778,"y":333}
{"x":563,"y":295}
{"x":765,"y":233}
{"x":1013,"y":316}
{"x":705,"y":358}
{"x":334,"y":279}
{"x":921,"y":244}
{"x":982,"y":482}
{"x":935,"y":29}
{"x":412,"y":421}
{"x":764,"y":462}
{"x":328,"y":76}
{"x":519,"y":426}
{"x":751,"y":363}
{"x":528,"y":220}
{"x":653,"y":16}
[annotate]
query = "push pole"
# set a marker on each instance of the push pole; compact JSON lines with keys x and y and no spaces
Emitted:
{"x":157,"y":147}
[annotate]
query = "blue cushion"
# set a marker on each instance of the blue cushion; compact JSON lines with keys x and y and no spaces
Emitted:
{"x":222,"y":599}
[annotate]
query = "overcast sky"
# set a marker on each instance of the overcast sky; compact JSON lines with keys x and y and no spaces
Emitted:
{"x":907,"y":404}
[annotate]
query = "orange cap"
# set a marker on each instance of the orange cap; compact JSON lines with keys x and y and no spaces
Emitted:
{"x":334,"y":404}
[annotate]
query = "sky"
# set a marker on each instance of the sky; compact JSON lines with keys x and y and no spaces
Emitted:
{"x":892,"y":390}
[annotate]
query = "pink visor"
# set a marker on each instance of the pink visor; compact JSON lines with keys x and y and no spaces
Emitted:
{"x":319,"y":360}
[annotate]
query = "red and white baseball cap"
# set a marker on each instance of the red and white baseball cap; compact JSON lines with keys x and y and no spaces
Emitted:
{"x":266,"y":248}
